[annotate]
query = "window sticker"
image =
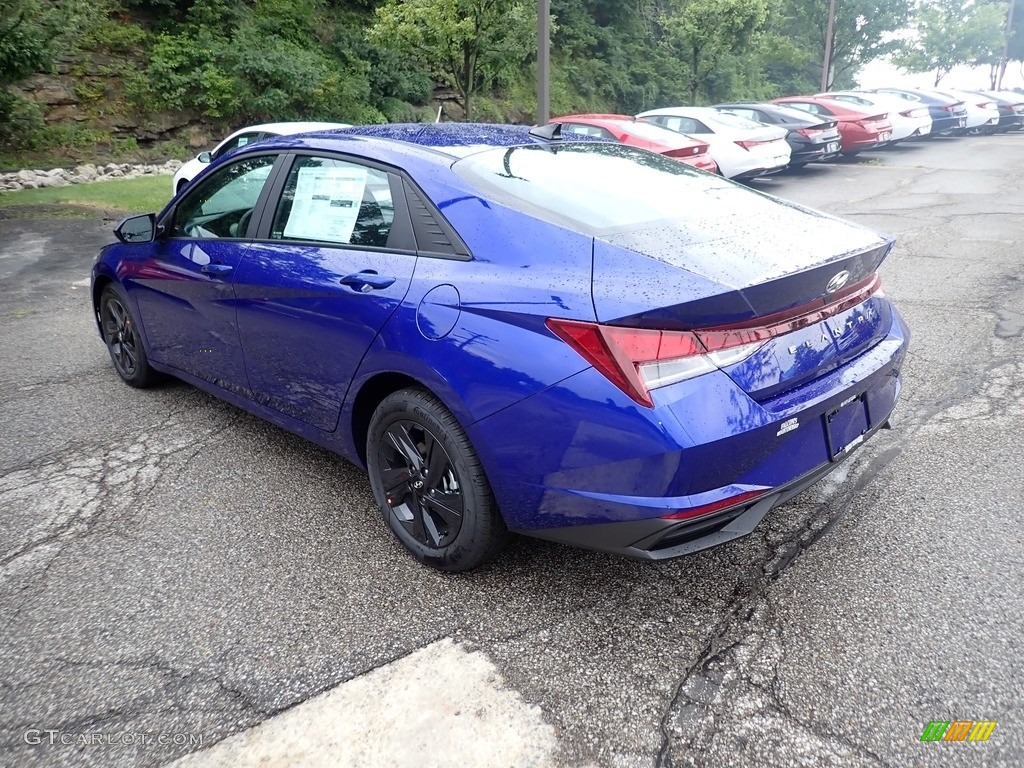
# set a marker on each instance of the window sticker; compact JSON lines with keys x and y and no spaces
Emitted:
{"x":242,"y":141}
{"x":326,"y":203}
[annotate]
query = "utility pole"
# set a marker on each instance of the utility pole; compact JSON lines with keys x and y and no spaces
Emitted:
{"x":1006,"y":46}
{"x":826,"y":65}
{"x":543,"y":61}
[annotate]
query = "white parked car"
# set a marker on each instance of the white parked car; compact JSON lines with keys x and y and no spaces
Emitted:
{"x":982,"y":112}
{"x":742,"y":148}
{"x":240,"y":138}
{"x":909,"y":119}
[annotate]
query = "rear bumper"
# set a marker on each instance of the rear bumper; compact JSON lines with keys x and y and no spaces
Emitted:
{"x":661,"y":539}
{"x":702,"y":162}
{"x":578,"y":464}
{"x":807,"y":151}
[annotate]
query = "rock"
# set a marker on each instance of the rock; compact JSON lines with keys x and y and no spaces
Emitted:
{"x":87,"y":171}
{"x":63,"y":112}
{"x":53,"y":93}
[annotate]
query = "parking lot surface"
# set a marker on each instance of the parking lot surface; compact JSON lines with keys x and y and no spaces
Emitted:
{"x":174,"y":572}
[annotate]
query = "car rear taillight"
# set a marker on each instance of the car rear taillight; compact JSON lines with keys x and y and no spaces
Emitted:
{"x":987,"y":104}
{"x":919,"y":112}
{"x":810,"y":133}
{"x":865,"y":121}
{"x":700,"y":149}
{"x":637,"y":360}
{"x":748,"y":144}
{"x":715,"y":506}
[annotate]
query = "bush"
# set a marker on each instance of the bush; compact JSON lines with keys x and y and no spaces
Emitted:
{"x":21,"y":121}
{"x":191,"y":71}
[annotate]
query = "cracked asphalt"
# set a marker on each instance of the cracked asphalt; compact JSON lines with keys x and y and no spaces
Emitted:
{"x":171,"y":565}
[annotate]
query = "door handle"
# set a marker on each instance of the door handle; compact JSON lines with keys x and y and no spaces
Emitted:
{"x":217,"y":270}
{"x":367,"y":280}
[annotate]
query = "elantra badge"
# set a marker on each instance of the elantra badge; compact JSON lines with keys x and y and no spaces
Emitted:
{"x":837,"y":282}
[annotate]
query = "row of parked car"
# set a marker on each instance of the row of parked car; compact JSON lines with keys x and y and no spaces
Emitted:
{"x":743,"y":140}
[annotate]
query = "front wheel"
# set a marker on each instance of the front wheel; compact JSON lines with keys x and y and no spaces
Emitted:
{"x":121,"y":335}
{"x":429,"y":484}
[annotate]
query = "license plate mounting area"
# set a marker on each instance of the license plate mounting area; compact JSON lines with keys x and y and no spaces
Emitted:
{"x":846,"y":426}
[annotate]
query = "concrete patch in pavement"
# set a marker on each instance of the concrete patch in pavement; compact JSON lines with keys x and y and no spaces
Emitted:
{"x":439,"y":706}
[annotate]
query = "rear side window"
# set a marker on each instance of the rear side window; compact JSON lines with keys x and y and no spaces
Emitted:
{"x":334,"y":201}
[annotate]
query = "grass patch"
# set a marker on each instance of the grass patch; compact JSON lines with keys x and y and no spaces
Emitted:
{"x":142,"y":195}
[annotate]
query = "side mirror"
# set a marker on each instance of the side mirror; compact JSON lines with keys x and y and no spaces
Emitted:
{"x":137,"y":229}
{"x":204,"y":157}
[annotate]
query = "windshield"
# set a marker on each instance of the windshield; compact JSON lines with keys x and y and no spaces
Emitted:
{"x":600,"y":188}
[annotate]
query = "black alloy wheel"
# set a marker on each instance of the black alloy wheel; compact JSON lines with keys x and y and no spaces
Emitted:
{"x":429,"y":484}
{"x":122,"y":339}
{"x":420,"y":484}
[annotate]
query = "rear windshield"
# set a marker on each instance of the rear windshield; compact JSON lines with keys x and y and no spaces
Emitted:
{"x":652,"y":132}
{"x":598,"y":188}
{"x":727,"y":118}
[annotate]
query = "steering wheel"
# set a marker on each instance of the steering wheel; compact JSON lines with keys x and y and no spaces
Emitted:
{"x":239,"y":229}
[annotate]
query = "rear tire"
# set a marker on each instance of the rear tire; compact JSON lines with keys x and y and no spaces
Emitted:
{"x":430,"y":485}
{"x":122,"y":336}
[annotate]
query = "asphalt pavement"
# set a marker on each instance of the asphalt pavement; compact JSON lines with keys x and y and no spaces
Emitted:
{"x":181,"y":580}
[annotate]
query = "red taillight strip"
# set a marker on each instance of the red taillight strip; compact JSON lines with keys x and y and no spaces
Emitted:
{"x":715,"y":506}
{"x":787,"y":321}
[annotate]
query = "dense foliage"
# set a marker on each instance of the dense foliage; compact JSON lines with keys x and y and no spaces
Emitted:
{"x":230,"y":62}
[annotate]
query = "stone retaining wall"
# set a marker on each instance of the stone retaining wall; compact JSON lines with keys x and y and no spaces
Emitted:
{"x":80,"y":174}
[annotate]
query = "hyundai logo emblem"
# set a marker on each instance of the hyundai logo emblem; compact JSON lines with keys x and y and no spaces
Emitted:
{"x":837,"y":282}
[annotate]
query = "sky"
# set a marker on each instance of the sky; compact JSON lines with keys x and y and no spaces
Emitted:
{"x":881,"y":73}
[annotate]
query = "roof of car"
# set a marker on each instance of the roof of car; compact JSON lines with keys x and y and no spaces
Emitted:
{"x":596,"y":118}
{"x":708,"y":112}
{"x":293,"y":127}
{"x":437,"y":143}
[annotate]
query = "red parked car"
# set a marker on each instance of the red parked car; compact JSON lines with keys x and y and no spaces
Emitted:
{"x":858,"y":129}
{"x":640,"y":133}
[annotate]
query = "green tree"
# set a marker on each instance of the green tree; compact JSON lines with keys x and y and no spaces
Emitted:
{"x":951,"y":32}
{"x":470,"y":44}
{"x":27,"y":29}
{"x":703,"y":32}
{"x":863,"y":30}
{"x":31,"y":32}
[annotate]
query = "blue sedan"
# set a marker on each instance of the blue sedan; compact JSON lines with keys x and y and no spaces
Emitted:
{"x":579,"y":341}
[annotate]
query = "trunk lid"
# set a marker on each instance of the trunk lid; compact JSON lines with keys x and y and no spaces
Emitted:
{"x":748,"y":268}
